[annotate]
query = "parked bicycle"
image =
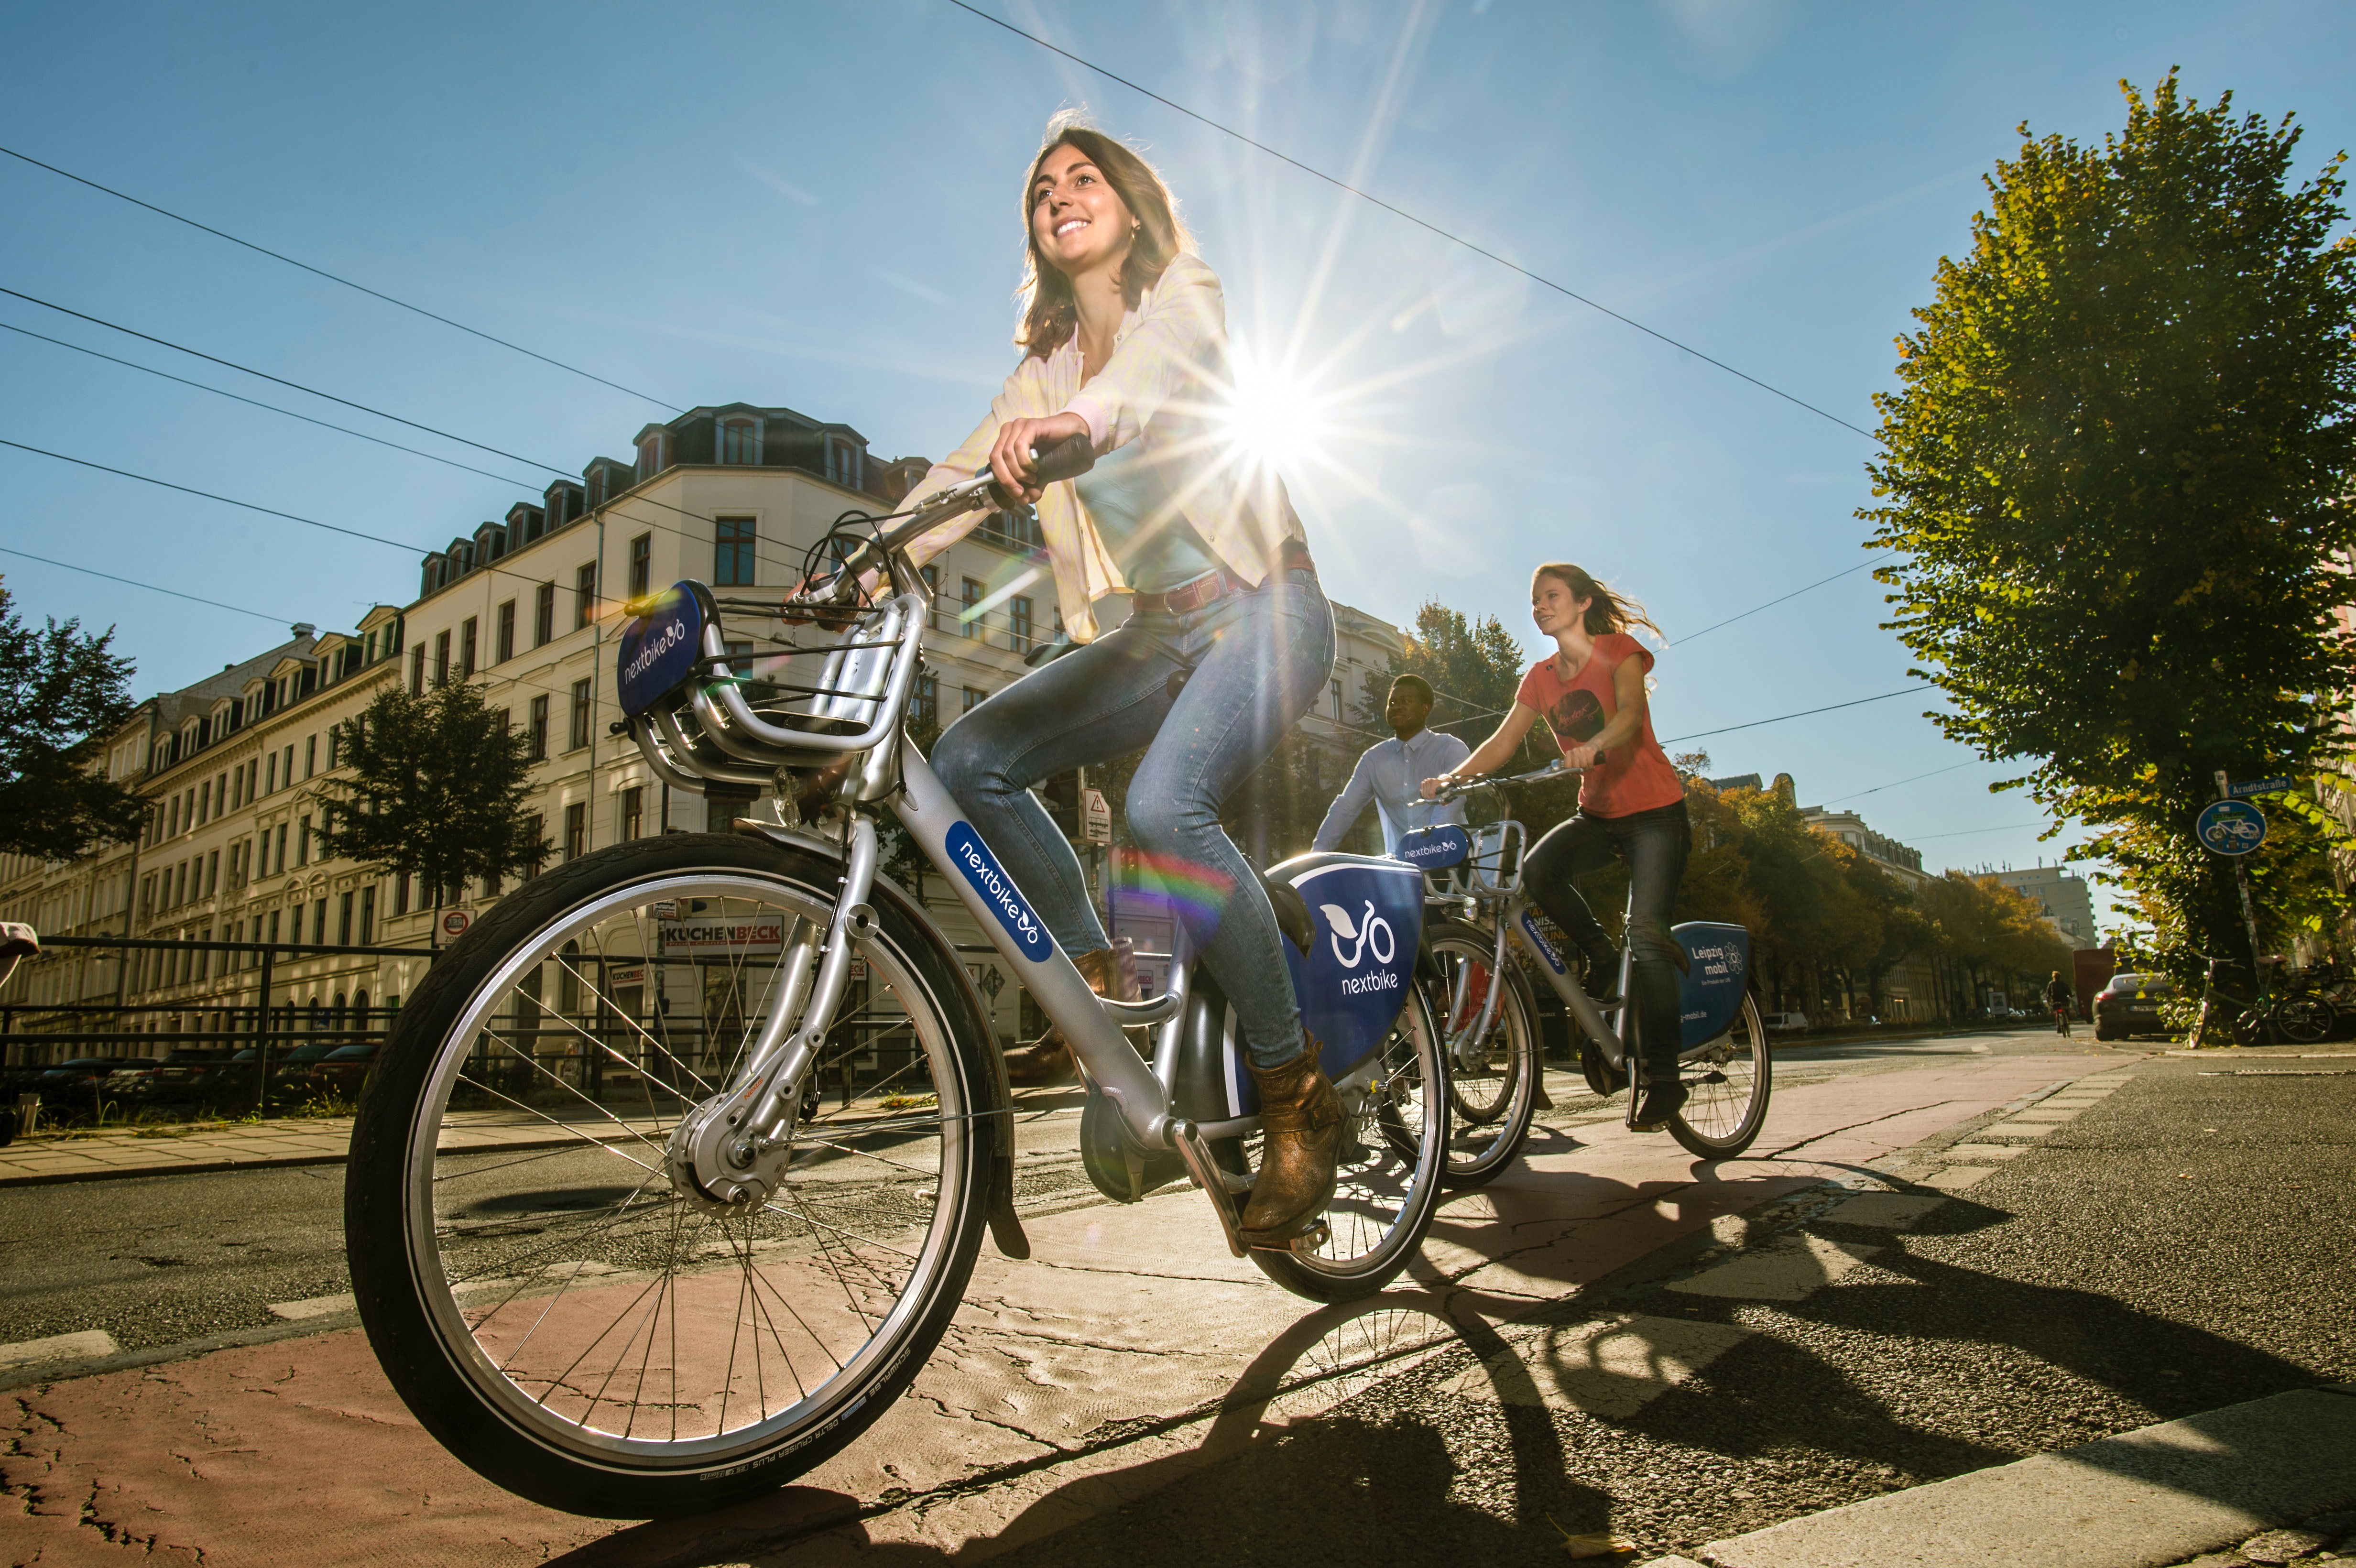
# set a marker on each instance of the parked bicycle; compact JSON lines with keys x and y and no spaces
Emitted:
{"x":660,"y":1310}
{"x":2296,"y":1013}
{"x":1489,"y":1015}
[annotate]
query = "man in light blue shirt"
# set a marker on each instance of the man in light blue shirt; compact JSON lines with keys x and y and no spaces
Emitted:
{"x":1391,"y":772}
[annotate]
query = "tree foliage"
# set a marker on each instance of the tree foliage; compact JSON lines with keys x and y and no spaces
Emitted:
{"x":60,"y":690}
{"x":2116,"y":475}
{"x":435,"y":787}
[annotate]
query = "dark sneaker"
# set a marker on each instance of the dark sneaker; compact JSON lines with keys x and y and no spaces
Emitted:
{"x":1661,"y":1102}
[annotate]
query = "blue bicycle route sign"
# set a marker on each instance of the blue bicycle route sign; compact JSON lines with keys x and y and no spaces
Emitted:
{"x":2231,"y":826}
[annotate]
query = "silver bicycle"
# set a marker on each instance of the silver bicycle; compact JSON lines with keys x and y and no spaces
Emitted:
{"x":610,"y":1248}
{"x":1488,"y":1009}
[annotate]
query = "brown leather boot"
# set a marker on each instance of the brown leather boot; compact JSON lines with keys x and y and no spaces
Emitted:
{"x":1300,"y":1121}
{"x":1109,"y":972}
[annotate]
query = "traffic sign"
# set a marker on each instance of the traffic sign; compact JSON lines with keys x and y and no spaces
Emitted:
{"x":2231,"y":826}
{"x":2259,"y":786}
{"x":1096,"y":817}
{"x":454,"y":923}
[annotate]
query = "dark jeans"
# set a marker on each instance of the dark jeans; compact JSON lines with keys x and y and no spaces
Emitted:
{"x":1654,"y":844}
{"x":1246,"y":666}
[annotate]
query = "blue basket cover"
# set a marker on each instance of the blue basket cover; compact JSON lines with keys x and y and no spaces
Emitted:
{"x":1711,"y":991}
{"x":1434,"y":848}
{"x":659,"y":649}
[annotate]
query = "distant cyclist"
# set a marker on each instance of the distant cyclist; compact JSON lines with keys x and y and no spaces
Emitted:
{"x":1391,"y":772}
{"x":1631,"y":803}
{"x":2059,"y":999}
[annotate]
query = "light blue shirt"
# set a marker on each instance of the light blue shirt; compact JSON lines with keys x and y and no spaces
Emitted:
{"x":1150,"y":538}
{"x":1391,"y":774}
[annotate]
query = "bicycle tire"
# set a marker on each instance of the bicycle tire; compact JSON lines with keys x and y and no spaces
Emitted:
{"x":2305,"y":1019}
{"x":1411,"y":1108}
{"x":1727,"y":1088}
{"x":1496,"y":1122}
{"x":409,"y":1233}
{"x":2250,"y":1026}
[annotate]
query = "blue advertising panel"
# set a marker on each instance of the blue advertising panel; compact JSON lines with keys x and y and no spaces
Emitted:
{"x":1434,"y":848}
{"x":1710,"y":993}
{"x":659,"y":648}
{"x":2231,"y":826}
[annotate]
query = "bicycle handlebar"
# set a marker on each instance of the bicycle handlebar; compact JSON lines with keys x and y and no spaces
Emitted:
{"x":1554,"y":769}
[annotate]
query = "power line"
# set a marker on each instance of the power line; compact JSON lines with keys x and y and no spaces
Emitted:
{"x":1968,"y":832}
{"x":1401,"y":212}
{"x":1795,"y":593}
{"x":152,"y":588}
{"x":1877,"y":789}
{"x":255,"y":402}
{"x":1804,"y":713}
{"x":334,"y":278}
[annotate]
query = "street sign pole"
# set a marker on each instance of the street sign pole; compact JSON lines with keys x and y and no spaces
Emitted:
{"x":2241,"y":882}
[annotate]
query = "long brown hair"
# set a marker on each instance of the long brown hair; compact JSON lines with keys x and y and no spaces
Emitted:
{"x":1607,"y":611}
{"x":1050,"y":316}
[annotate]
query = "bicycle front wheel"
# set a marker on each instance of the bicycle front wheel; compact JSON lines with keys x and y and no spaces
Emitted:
{"x":548,"y":1304}
{"x":1492,"y":1079}
{"x":1727,"y":1087}
{"x":2305,"y":1020}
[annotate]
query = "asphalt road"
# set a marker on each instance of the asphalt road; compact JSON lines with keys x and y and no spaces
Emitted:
{"x":2184,"y":1245}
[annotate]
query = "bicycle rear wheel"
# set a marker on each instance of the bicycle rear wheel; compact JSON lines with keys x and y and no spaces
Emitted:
{"x":1726,"y":1088}
{"x":1393,"y":1148}
{"x":2305,"y":1019}
{"x":1493,"y":1081}
{"x":549,"y":1306}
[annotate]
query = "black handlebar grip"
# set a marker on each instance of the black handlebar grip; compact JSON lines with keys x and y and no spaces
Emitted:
{"x":1068,"y":459}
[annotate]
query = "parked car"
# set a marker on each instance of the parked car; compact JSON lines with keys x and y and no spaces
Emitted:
{"x":184,"y":1077}
{"x":290,"y":1070}
{"x":2129,"y":1006}
{"x":1785,"y":1023}
{"x":342,"y":1071}
{"x":76,"y":1082}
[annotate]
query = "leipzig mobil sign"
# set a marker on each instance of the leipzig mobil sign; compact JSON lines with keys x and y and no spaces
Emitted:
{"x":2231,"y":826}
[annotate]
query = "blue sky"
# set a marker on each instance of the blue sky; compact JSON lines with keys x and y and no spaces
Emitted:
{"x":819,"y":206}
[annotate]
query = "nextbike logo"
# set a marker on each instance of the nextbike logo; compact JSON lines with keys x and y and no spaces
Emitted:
{"x":670,"y":638}
{"x":973,"y":859}
{"x":1364,"y":936}
{"x":1537,"y":941}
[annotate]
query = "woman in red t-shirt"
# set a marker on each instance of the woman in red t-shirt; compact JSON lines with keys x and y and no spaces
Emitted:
{"x":1591,"y":695}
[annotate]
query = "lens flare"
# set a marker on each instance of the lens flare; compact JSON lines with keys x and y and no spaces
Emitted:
{"x":1274,"y":415}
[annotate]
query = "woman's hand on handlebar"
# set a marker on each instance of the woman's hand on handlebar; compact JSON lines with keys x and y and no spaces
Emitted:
{"x":1010,"y":454}
{"x":1581,"y":757}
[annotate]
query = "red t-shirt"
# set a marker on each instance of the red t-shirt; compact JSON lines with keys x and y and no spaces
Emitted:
{"x":1637,"y":776}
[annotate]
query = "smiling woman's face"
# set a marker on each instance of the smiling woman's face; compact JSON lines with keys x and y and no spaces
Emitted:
{"x":1078,"y":219}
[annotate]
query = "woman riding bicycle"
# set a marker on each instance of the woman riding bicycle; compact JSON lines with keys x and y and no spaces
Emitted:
{"x":1227,"y":643}
{"x":1591,"y":692}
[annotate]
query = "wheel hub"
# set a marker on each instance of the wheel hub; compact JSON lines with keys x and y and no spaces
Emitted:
{"x":719,"y":1166}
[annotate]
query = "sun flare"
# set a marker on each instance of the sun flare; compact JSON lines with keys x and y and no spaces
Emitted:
{"x":1273,"y":415}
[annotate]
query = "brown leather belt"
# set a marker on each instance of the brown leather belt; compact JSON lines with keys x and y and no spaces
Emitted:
{"x":1214,"y":586}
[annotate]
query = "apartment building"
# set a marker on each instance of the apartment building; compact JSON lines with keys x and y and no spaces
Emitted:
{"x":2060,"y":895}
{"x":230,"y":852}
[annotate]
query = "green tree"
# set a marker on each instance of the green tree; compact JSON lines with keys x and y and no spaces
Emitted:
{"x":60,"y":692}
{"x":2117,"y":478}
{"x":435,"y":788}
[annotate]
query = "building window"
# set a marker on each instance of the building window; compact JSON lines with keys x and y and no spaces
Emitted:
{"x":642,"y":564}
{"x":506,"y":647}
{"x":441,"y":658}
{"x":1337,"y":689}
{"x":634,"y":813}
{"x":400,"y":893}
{"x":319,"y":923}
{"x":576,"y":831}
{"x":650,"y":455}
{"x":970,"y":621}
{"x":310,"y":755}
{"x":1018,"y":623}
{"x":973,"y":699}
{"x":585,"y":595}
{"x":368,"y":916}
{"x":732,"y":552}
{"x":543,"y":614}
{"x":282,"y":849}
{"x":580,"y":733}
{"x":539,"y":730}
{"x":466,"y":649}
{"x":846,"y":463}
{"x":417,"y":669}
{"x":924,"y":708}
{"x":740,"y":440}
{"x":303,"y":839}
{"x":344,"y":912}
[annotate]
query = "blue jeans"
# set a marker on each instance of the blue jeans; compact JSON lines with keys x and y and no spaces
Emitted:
{"x":1245,"y":666}
{"x":1654,"y":844}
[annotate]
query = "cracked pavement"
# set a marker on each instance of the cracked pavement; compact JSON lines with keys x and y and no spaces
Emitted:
{"x":1110,"y":1379}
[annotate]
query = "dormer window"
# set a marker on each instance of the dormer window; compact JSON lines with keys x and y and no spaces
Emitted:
{"x":846,"y":463}
{"x":740,"y":440}
{"x":651,"y":454}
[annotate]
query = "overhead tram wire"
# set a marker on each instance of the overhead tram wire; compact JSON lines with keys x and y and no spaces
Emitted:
{"x":1835,"y":577}
{"x":1396,"y":211}
{"x":1804,"y":713}
{"x":335,"y":278}
{"x":150,"y":587}
{"x":1893,"y":783}
{"x":346,"y":403}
